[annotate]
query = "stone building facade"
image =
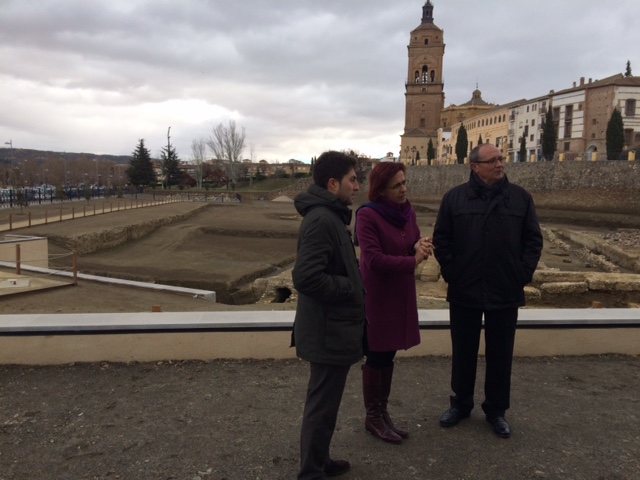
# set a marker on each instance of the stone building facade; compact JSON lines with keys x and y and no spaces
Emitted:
{"x":581,"y":114}
{"x":459,"y":113}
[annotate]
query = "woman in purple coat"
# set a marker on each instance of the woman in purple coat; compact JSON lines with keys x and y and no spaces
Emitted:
{"x":390,"y":251}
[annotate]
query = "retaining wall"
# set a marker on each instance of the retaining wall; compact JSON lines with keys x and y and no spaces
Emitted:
{"x":609,"y":186}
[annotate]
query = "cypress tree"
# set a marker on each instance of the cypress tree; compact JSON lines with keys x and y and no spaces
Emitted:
{"x":615,"y":135}
{"x":627,"y":72}
{"x":431,"y":152}
{"x":462,"y":144}
{"x":523,"y":148}
{"x":549,"y":136}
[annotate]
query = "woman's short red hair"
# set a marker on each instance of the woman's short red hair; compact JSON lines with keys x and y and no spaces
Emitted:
{"x":380,"y":176}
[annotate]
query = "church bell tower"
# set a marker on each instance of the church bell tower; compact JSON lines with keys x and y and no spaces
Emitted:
{"x":424,"y":90}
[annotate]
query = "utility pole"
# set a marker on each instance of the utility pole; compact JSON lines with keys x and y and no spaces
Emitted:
{"x":166,"y":180}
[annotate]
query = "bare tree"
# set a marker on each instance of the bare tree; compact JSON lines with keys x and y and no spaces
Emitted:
{"x":227,"y":144}
{"x":199,"y":156}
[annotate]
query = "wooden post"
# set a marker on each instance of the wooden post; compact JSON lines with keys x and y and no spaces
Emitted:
{"x":60,"y":213}
{"x":94,"y":209}
{"x":18,"y":259}
{"x":10,"y":221}
{"x":29,"y":216}
{"x":46,"y":217}
{"x":73,"y":213}
{"x":75,"y":267}
{"x":103,"y":208}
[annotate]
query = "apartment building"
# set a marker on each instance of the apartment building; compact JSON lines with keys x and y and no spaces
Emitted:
{"x":580,"y":113}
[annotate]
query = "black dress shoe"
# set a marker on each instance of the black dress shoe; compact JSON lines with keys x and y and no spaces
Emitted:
{"x":452,"y":416}
{"x":336,"y":467}
{"x":500,"y":426}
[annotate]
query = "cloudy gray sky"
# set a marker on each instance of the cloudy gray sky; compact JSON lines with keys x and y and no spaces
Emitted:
{"x":301,"y":76}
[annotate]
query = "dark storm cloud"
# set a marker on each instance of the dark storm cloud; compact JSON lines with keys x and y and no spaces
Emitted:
{"x":300,"y":75}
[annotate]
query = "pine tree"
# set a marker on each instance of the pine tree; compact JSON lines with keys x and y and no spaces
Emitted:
{"x":462,"y":144}
{"x":170,"y":164}
{"x":431,"y":153}
{"x":549,"y":136}
{"x":615,"y":135}
{"x":628,"y":73}
{"x":140,"y":170}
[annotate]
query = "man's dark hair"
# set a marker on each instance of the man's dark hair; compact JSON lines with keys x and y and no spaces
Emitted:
{"x":332,"y":164}
{"x":474,"y":156}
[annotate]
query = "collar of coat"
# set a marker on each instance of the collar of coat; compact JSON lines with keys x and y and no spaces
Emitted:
{"x":479,"y":189}
{"x":317,"y":196}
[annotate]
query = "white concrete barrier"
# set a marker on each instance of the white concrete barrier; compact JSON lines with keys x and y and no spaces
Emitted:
{"x":50,"y":339}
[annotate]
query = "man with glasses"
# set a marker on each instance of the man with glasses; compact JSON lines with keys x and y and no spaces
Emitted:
{"x":488,"y":242}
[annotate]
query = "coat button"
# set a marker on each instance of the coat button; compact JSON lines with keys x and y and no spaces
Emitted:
{"x":402,"y":233}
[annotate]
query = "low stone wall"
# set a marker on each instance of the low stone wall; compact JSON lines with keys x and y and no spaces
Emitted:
{"x":612,"y":187}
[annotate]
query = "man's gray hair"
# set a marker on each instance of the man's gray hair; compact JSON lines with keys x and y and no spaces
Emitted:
{"x":474,"y":156}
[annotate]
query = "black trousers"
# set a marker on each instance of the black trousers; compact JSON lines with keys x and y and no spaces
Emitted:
{"x":499,"y":335}
{"x":324,"y":394}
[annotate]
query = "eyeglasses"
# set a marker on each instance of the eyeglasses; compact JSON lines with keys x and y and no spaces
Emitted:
{"x":398,"y":186}
{"x":491,"y":161}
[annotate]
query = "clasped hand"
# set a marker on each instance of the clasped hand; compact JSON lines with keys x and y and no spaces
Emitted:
{"x":423,"y":248}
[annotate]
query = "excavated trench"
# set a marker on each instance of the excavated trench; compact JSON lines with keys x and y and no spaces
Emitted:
{"x":574,"y":241}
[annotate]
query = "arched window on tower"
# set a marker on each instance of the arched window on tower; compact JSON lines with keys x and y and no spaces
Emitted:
{"x":433,"y":76}
{"x":426,"y":41}
{"x":425,"y":74}
{"x":417,"y":76}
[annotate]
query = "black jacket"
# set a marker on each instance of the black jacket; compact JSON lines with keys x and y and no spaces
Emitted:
{"x":330,"y":318}
{"x":488,"y":242}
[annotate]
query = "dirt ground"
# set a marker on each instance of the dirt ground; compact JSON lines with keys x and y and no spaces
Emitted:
{"x":221,"y":248}
{"x":572,"y":417}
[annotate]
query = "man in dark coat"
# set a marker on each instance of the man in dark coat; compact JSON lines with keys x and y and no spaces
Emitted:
{"x":488,"y":242}
{"x":329,"y":324}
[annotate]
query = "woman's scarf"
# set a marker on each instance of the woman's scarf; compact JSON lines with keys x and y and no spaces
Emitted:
{"x":397,"y":214}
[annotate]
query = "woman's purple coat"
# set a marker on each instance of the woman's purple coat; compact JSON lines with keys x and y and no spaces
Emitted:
{"x":387,"y":264}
